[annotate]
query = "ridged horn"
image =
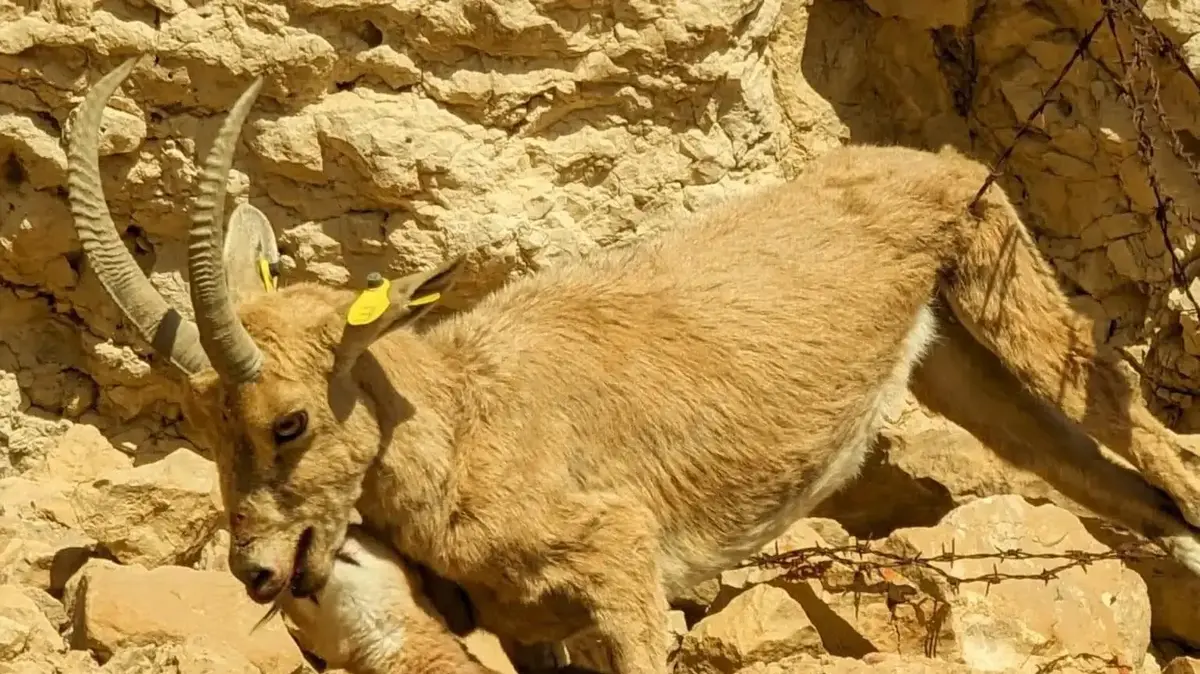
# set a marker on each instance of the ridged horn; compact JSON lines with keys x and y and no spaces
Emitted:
{"x":172,"y":336}
{"x":234,"y":355}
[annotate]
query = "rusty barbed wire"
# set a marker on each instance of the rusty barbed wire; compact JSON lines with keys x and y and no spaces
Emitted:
{"x":816,"y":561}
{"x":861,"y":559}
{"x":997,"y":170}
{"x":880,"y":571}
{"x":1111,"y":663}
{"x":1146,"y":39}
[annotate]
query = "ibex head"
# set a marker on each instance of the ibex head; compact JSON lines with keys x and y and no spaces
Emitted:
{"x":270,"y":370}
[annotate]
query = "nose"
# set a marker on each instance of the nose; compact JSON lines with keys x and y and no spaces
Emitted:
{"x":257,"y":577}
{"x":262,"y":583}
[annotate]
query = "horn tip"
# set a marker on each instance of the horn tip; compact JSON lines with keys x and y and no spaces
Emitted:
{"x":126,"y":67}
{"x":255,"y":88}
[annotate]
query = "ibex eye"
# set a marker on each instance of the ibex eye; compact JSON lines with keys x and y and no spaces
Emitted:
{"x":290,"y":426}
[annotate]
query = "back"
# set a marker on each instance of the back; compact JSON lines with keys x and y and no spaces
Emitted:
{"x":682,"y":364}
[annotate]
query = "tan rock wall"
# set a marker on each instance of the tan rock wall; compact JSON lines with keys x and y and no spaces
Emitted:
{"x":389,"y":135}
{"x":969,"y":74}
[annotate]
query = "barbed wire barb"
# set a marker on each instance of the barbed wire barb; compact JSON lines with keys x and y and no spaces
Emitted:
{"x":998,"y":168}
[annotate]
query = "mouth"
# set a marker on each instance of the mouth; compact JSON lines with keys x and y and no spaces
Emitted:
{"x":300,"y":584}
{"x":296,"y":583}
{"x":316,"y":662}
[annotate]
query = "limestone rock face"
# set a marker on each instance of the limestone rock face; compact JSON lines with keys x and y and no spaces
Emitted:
{"x":999,"y":627}
{"x":23,"y":626}
{"x":391,"y":135}
{"x":119,"y":607}
{"x":763,"y":624}
{"x":192,"y":656}
{"x":158,"y":513}
{"x":928,"y":466}
{"x":388,"y":138}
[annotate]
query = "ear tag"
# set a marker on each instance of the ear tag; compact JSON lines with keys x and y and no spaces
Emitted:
{"x":370,"y":303}
{"x":424,"y":299}
{"x":265,"y":275}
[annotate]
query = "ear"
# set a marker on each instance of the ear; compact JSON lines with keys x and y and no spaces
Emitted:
{"x":389,"y":304}
{"x":251,"y":255}
{"x":409,"y":297}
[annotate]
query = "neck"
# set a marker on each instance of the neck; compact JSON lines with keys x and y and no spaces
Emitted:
{"x":418,"y":387}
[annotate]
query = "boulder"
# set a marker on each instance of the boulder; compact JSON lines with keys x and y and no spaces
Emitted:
{"x":158,"y":513}
{"x":115,"y":607}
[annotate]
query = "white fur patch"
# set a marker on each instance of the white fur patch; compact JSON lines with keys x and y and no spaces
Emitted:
{"x":358,"y":616}
{"x":1186,"y":550}
{"x":850,"y":456}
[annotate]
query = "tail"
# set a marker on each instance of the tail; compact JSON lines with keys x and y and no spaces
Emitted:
{"x":1005,"y":293}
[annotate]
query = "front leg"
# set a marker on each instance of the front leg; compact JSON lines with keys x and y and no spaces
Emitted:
{"x":582,"y":561}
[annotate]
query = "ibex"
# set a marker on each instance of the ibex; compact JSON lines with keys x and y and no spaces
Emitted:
{"x":372,"y":616}
{"x":589,"y":441}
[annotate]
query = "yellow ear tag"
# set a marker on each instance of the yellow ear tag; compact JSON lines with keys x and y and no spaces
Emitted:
{"x":370,"y":303}
{"x":425,"y":299}
{"x":264,"y":274}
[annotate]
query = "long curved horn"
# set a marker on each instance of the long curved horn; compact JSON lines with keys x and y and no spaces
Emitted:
{"x":234,"y":355}
{"x":173,"y":336}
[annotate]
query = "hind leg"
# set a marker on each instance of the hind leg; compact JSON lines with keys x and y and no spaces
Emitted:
{"x":966,"y":383}
{"x":1006,"y":296}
